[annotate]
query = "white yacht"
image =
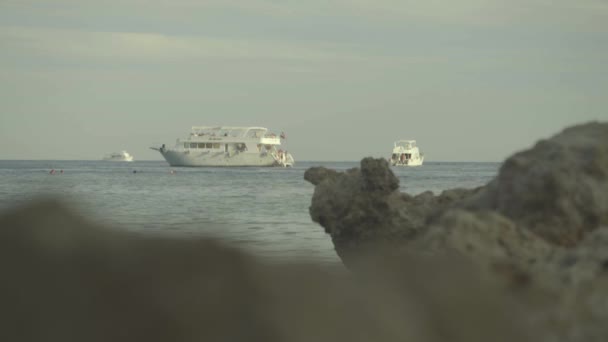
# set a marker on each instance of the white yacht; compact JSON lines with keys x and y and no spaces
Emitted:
{"x":119,"y":156}
{"x":228,"y":146}
{"x":406,"y":153}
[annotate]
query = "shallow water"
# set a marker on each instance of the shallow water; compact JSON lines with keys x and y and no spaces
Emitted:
{"x":263,"y":210}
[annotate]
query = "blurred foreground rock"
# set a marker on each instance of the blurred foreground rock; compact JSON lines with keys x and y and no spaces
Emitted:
{"x":65,"y":279}
{"x":540,"y":228}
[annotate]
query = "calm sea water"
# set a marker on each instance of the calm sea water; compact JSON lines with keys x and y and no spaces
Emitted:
{"x":262,"y":210}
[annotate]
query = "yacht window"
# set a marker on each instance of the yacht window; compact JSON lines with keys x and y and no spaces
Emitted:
{"x":216,"y":145}
{"x":201,"y":145}
{"x":192,"y":145}
{"x":209,"y":145}
{"x":186,"y":145}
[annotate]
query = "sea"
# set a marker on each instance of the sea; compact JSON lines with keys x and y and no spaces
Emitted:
{"x":263,"y":211}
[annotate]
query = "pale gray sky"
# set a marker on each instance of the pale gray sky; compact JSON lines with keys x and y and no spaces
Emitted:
{"x":472,"y":80}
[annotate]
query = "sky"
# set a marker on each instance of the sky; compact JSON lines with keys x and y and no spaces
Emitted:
{"x":472,"y":80}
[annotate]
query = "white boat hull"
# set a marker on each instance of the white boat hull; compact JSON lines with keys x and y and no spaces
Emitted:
{"x":119,"y":160}
{"x":408,"y":162}
{"x":200,"y":159}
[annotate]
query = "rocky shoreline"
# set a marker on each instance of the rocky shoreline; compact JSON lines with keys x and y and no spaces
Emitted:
{"x":523,"y":258}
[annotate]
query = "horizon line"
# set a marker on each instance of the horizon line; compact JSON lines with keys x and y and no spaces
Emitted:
{"x":300,"y":161}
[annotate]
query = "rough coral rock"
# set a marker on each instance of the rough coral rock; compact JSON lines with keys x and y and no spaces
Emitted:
{"x":540,"y":225}
{"x":559,"y":188}
{"x":362,"y":209}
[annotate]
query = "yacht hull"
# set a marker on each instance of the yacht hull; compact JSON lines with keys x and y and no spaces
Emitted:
{"x":409,"y":162}
{"x":202,"y":159}
{"x":118,"y":160}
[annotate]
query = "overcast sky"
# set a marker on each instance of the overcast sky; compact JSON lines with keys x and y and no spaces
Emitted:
{"x":470,"y":80}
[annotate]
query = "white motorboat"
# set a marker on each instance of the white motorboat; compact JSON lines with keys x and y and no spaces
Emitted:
{"x":228,"y":146}
{"x":123,"y":156}
{"x":406,"y":153}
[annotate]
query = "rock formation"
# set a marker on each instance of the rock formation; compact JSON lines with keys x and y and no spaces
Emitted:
{"x":65,"y":279}
{"x":540,"y":227}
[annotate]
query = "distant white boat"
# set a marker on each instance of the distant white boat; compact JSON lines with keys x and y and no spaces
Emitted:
{"x":406,"y":153}
{"x":123,"y":156}
{"x":228,"y":146}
